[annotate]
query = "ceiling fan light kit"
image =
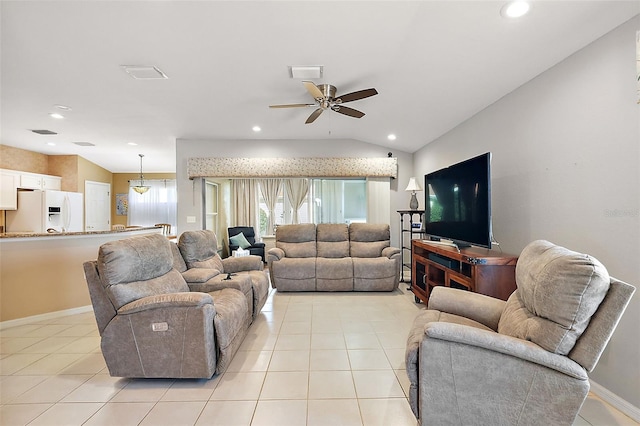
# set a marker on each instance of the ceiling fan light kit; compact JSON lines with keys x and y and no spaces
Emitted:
{"x":325,"y":98}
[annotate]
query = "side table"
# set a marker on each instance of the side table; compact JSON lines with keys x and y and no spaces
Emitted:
{"x":406,"y":235}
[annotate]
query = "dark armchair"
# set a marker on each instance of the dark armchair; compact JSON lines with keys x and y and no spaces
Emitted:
{"x":255,"y":248}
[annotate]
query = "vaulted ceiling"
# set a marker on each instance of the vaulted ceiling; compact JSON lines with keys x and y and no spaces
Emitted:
{"x":434,"y":63}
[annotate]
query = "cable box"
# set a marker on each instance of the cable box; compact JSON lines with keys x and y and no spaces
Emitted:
{"x":444,"y":261}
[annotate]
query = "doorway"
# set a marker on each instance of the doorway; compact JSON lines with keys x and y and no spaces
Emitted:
{"x":97,"y":206}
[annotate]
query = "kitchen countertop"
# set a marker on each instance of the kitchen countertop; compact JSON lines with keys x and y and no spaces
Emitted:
{"x":9,"y":235}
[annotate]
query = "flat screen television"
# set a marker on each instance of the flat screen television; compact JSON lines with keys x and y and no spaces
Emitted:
{"x":458,"y":203}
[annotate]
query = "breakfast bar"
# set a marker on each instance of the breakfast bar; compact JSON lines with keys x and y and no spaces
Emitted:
{"x":42,"y":273}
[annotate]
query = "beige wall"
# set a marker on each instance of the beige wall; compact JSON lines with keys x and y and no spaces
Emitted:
{"x":66,"y":166}
{"x":25,"y":161}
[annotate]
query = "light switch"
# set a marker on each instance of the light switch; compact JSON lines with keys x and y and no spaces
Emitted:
{"x":191,"y":219}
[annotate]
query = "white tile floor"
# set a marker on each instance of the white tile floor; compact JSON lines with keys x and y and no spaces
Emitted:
{"x":309,"y":359}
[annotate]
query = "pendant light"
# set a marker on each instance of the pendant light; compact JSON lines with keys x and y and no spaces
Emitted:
{"x":142,"y":188}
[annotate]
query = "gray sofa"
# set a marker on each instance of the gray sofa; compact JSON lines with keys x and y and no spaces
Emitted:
{"x":334,"y":257}
{"x":472,"y":359}
{"x":150,"y":323}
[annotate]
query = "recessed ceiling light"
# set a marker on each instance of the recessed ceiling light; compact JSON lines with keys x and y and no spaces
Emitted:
{"x":391,"y":137}
{"x":51,"y":143}
{"x":56,"y":115}
{"x":256,"y":129}
{"x":515,"y":9}
{"x":62,"y":107}
{"x":132,"y":143}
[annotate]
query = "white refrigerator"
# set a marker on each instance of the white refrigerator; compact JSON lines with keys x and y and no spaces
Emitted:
{"x":47,"y":211}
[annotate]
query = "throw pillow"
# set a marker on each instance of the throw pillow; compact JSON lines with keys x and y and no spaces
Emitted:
{"x":240,"y":240}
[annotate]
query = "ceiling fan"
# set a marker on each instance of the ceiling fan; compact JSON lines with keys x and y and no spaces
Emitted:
{"x":325,"y":98}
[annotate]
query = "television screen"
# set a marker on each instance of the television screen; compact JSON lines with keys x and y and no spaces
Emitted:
{"x":458,"y":202}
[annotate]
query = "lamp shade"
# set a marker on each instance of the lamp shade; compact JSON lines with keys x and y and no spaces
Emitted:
{"x":413,"y":185}
{"x":140,"y":189}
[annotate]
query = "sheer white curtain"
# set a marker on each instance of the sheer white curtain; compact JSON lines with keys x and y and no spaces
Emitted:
{"x":244,"y":198}
{"x":269,"y":189}
{"x":296,"y":190}
{"x":157,"y":205}
{"x":329,"y":201}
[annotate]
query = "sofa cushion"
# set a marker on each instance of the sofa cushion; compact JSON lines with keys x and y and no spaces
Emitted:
{"x":374,"y":274}
{"x":368,"y":239}
{"x":200,"y":249}
{"x":372,"y":249}
{"x":332,"y":240}
{"x":334,"y":268}
{"x":199,"y":275}
{"x":297,"y":269}
{"x":334,"y":274}
{"x":558,"y":290}
{"x":178,"y":261}
{"x":295,"y":274}
{"x":297,"y":240}
{"x":137,"y":267}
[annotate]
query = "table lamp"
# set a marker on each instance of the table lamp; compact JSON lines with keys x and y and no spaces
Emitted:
{"x":413,"y":187}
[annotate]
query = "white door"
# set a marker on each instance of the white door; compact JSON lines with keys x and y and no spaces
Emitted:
{"x":97,"y":206}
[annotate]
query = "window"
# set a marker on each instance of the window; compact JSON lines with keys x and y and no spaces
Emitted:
{"x":339,"y":200}
{"x":328,"y":201}
{"x":211,"y":218}
{"x":157,"y":205}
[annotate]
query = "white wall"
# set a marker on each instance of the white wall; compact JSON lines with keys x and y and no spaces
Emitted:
{"x":566,"y":168}
{"x":189,"y":198}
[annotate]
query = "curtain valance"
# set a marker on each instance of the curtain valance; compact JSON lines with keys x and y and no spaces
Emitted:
{"x":292,"y":167}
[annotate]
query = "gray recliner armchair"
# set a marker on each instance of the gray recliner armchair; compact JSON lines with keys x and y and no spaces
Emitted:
{"x":207,"y":271}
{"x":472,"y":359}
{"x":151,"y":325}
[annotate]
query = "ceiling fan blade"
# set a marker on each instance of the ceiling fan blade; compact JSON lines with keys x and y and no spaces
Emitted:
{"x":313,"y":89}
{"x":348,"y":111}
{"x":354,"y":96}
{"x":292,"y":106}
{"x":315,"y":114}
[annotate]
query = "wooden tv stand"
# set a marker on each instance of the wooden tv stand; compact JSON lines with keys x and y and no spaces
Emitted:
{"x":475,"y":269}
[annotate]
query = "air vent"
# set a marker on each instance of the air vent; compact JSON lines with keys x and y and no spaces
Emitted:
{"x":306,"y":72}
{"x":143,"y":72}
{"x":83,"y":143}
{"x":44,"y":132}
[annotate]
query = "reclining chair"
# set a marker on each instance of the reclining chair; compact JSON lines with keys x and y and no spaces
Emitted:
{"x":206,"y":271}
{"x":150,"y":324}
{"x":254,"y":247}
{"x":472,"y":359}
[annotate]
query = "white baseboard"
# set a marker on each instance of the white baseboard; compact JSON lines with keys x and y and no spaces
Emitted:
{"x":43,"y":317}
{"x":615,"y":401}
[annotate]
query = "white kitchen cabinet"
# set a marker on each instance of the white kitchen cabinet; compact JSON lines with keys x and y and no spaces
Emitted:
{"x":30,"y":181}
{"x":12,"y":180}
{"x":9,"y":190}
{"x":38,"y":181}
{"x":51,"y":182}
